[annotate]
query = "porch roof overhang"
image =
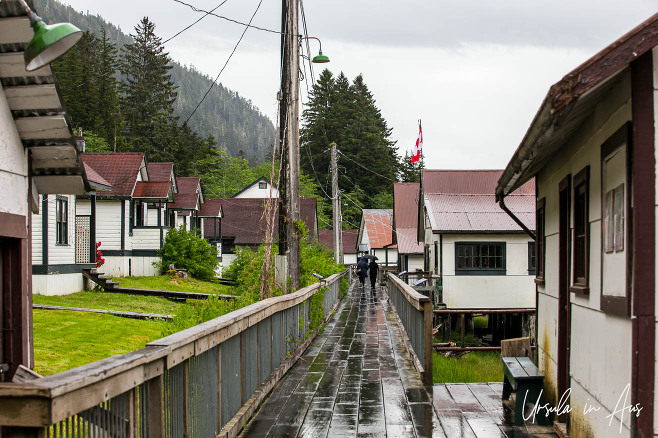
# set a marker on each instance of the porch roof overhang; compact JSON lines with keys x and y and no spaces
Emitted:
{"x":570,"y":103}
{"x":38,"y":111}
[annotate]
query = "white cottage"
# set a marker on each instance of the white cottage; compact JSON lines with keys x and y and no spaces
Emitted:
{"x":131,"y":220}
{"x":481,"y":256}
{"x":39,"y":156}
{"x":592,"y":150}
{"x":63,"y":242}
{"x":261,"y":188}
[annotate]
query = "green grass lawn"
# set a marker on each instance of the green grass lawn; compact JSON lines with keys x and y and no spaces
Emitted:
{"x":166,"y":282}
{"x":65,"y":340}
{"x":478,"y":366}
{"x":112,"y":301}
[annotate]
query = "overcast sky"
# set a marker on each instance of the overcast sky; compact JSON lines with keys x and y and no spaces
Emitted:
{"x":474,"y":71}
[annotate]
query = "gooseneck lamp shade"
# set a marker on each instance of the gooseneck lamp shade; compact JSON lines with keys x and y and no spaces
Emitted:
{"x":49,"y":42}
{"x":320,"y":59}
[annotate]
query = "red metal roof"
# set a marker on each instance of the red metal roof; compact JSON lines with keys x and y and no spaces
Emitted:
{"x":478,"y":213}
{"x":160,"y":171}
{"x":187,"y":184}
{"x":405,"y":217}
{"x":471,"y":182}
{"x":326,"y":238}
{"x":119,"y":169}
{"x":379,"y":226}
{"x":408,"y":241}
{"x":243,"y":219}
{"x":184,"y":201}
{"x":151,"y":189}
{"x":211,"y":207}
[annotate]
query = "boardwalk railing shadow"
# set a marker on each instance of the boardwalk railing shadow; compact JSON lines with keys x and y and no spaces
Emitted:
{"x":204,"y":381}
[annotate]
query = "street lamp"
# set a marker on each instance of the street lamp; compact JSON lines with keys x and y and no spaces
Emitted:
{"x":320,"y":58}
{"x":48,"y":42}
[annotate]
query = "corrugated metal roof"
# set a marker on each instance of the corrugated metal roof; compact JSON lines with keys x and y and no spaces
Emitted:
{"x":326,"y":238}
{"x":471,"y":182}
{"x":379,"y":226}
{"x":405,"y":197}
{"x":405,"y":217}
{"x":478,"y":213}
{"x":408,"y":241}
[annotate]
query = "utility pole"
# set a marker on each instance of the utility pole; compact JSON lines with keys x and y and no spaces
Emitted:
{"x":289,"y":209}
{"x":338,"y":223}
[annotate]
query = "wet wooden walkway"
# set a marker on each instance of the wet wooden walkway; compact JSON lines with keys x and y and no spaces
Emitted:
{"x":357,"y":379}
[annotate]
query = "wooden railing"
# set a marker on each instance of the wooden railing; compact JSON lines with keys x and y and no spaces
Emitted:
{"x":415,"y":313}
{"x":204,"y":381}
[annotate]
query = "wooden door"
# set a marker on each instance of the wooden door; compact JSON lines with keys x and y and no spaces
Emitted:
{"x":564,"y":299}
{"x":2,"y":303}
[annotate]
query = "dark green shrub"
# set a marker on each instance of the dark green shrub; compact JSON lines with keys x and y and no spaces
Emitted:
{"x":186,"y":250}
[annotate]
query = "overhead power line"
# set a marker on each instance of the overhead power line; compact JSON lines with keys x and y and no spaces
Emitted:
{"x":225,"y":64}
{"x":187,"y":27}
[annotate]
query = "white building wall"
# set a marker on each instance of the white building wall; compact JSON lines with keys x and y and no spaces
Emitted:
{"x":57,"y":284}
{"x":37,"y":237}
{"x":13,"y":165}
{"x":515,"y":289}
{"x":143,"y":266}
{"x":381,"y":255}
{"x":254,"y":192}
{"x":146,"y":238}
{"x":108,"y":224}
{"x":349,"y":259}
{"x":600,"y":358}
{"x":61,"y":254}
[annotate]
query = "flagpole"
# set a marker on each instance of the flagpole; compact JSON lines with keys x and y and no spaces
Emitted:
{"x":420,"y":154}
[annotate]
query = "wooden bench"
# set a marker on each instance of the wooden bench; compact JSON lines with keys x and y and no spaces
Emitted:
{"x":524,"y":378}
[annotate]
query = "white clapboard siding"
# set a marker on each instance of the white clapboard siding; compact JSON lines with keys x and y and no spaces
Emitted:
{"x":146,"y":238}
{"x":151,"y":217}
{"x":61,"y":254}
{"x":108,"y":224}
{"x":37,"y":234}
{"x":83,"y":207}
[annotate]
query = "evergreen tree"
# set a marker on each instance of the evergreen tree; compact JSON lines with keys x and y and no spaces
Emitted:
{"x":368,"y":163}
{"x":76,"y":75}
{"x":107,"y":121}
{"x":410,"y":172}
{"x":147,"y":93}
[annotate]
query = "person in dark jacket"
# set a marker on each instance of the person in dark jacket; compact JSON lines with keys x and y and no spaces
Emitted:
{"x":362,"y":270}
{"x":374,"y":267}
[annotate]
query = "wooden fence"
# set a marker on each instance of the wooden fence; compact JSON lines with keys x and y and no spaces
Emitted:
{"x":204,"y":381}
{"x":415,"y":312}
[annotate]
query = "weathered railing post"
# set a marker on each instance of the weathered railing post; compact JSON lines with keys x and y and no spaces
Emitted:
{"x":154,"y":406}
{"x":428,"y":365}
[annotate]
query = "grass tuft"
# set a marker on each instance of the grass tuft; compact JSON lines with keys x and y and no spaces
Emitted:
{"x":478,"y":366}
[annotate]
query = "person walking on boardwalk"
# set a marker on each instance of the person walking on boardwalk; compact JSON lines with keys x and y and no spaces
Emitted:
{"x":374,"y":267}
{"x":362,"y":270}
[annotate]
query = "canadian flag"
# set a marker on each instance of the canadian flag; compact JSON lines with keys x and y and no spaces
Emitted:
{"x":419,"y":145}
